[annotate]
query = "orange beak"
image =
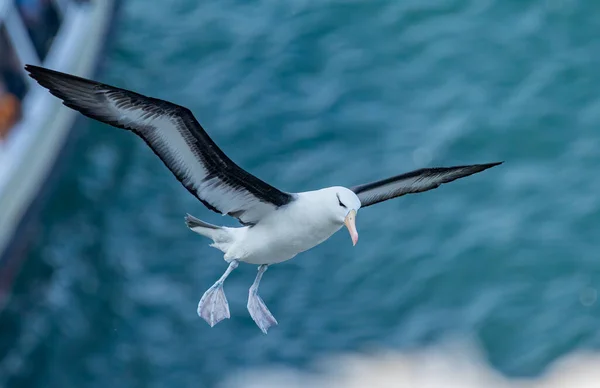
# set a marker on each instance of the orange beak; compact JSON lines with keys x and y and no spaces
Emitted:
{"x":349,"y":222}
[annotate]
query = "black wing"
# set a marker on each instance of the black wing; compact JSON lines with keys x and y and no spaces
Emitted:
{"x":414,"y":182}
{"x":176,"y":137}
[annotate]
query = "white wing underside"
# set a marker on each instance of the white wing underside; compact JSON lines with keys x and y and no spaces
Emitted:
{"x":163,"y":131}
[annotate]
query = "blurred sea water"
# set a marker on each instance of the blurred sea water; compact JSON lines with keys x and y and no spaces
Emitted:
{"x":309,"y":94}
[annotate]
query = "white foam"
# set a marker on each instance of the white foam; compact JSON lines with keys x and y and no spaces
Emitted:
{"x":448,"y":367}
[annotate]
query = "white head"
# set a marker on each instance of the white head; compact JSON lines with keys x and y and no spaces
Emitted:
{"x":342,"y":204}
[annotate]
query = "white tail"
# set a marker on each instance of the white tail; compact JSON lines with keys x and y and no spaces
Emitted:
{"x":203,"y":228}
{"x":221,"y":237}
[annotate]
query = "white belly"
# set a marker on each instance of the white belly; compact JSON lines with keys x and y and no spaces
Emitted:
{"x":281,"y":238}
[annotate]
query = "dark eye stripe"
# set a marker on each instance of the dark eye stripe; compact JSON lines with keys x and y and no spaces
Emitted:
{"x":339,"y":200}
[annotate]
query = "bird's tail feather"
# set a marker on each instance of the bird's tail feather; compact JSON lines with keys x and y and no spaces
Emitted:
{"x":204,"y":228}
{"x":222,"y":237}
{"x":193,"y":222}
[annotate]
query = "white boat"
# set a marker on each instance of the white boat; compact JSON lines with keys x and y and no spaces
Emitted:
{"x":65,"y":35}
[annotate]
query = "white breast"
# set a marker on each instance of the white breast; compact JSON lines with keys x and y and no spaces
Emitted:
{"x":295,"y":228}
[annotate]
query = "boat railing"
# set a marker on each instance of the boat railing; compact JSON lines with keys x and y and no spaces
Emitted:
{"x":27,"y":32}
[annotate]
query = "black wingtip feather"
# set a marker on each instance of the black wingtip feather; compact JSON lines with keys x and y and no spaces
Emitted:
{"x":489,"y":165}
{"x":69,"y":88}
{"x":484,"y":166}
{"x":83,"y":95}
{"x":43,"y":75}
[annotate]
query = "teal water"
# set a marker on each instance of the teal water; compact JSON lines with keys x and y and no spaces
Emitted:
{"x":311,"y":94}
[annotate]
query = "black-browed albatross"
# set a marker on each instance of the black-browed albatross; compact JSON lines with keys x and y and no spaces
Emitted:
{"x":276,"y":225}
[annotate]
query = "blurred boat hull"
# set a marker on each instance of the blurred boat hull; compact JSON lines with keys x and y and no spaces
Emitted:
{"x":40,"y":142}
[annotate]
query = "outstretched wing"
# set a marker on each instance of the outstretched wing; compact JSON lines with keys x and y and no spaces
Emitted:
{"x":414,"y":182}
{"x":176,"y":137}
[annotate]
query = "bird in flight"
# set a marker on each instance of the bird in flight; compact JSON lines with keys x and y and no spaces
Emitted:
{"x":275,"y":225}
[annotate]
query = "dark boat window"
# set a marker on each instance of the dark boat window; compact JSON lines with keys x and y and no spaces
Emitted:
{"x":42,"y":20}
{"x":13,"y":85}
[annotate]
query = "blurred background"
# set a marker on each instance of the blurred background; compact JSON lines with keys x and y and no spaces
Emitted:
{"x":490,"y":281}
